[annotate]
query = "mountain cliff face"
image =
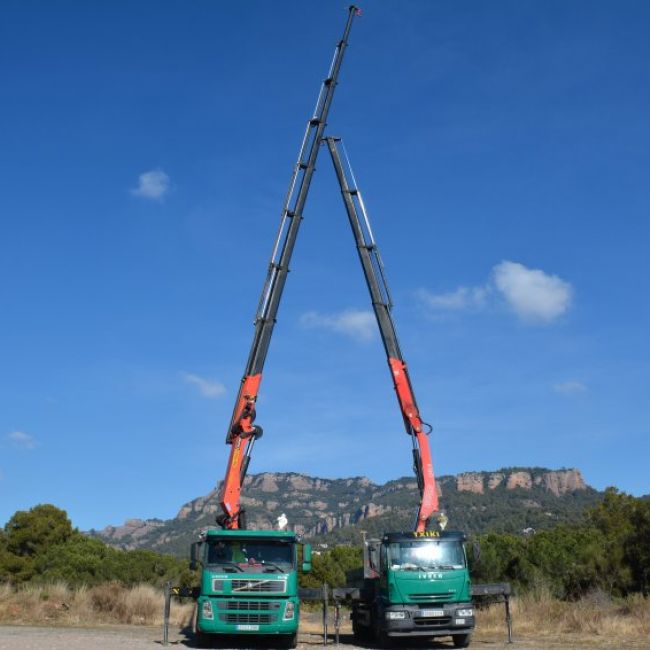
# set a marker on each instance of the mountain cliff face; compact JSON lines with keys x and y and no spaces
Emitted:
{"x":338,"y":509}
{"x":558,"y":482}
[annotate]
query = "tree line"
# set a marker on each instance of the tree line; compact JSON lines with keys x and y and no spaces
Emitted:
{"x":40,"y":546}
{"x":607,"y":550}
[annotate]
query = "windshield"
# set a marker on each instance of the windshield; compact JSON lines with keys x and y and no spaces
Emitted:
{"x":413,"y":556}
{"x":250,"y":556}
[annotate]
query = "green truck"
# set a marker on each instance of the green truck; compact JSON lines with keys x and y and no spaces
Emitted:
{"x":415,"y":584}
{"x":249,"y":584}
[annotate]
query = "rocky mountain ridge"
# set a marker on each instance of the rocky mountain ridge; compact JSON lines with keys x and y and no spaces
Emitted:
{"x":337,"y":508}
{"x":559,"y":482}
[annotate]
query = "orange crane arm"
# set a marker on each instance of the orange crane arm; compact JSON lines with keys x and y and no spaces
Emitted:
{"x":373,"y":269}
{"x":242,"y":433}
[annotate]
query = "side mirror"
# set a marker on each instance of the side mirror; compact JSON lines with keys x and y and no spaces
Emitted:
{"x":476,"y":551}
{"x":372,"y":557}
{"x":306,"y":558}
{"x":194,"y":555}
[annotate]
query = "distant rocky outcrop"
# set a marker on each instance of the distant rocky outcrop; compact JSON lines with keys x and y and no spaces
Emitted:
{"x":507,"y":499}
{"x":558,"y":482}
{"x":562,"y":482}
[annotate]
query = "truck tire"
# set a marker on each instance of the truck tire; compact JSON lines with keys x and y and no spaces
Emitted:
{"x":461,"y":640}
{"x":384,"y":640}
{"x":360,"y":632}
{"x":290,"y":641}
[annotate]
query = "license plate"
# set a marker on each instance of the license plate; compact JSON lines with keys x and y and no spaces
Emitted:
{"x":432,"y":612}
{"x":248,"y":627}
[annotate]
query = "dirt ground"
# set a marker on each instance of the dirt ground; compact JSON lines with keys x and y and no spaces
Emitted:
{"x":129,"y":637}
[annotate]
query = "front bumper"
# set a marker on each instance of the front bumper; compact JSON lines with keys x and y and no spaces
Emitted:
{"x":240,"y":616}
{"x":429,"y":621}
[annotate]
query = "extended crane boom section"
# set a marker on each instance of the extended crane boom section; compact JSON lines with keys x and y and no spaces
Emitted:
{"x":242,"y":433}
{"x":373,"y":270}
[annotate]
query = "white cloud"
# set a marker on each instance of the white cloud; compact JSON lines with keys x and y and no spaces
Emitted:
{"x":533,"y":295}
{"x":356,"y":323}
{"x":207,"y":387}
{"x":153,"y":184}
{"x":462,"y":298}
{"x":22,"y":440}
{"x":570,"y":387}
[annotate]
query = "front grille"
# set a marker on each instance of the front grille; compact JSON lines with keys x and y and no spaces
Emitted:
{"x":438,"y":621}
{"x":276,"y":586}
{"x":248,"y":618}
{"x":432,"y":598}
{"x":248,"y":605}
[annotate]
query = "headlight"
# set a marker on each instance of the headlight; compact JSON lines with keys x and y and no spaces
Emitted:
{"x":289,"y":611}
{"x":465,"y":612}
{"x":393,"y":616}
{"x":206,"y":610}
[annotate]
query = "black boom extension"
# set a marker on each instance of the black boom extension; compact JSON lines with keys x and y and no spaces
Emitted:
{"x":242,"y":432}
{"x":292,"y":210}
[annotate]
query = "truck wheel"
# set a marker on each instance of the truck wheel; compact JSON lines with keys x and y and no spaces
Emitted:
{"x":360,"y":633}
{"x":384,"y":640}
{"x":461,"y":640}
{"x":290,"y":641}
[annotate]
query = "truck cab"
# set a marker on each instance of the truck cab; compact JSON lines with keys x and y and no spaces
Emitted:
{"x":415,"y":584}
{"x":249,"y":584}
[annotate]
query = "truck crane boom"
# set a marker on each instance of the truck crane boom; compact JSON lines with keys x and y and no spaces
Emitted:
{"x":249,"y":578}
{"x":242,"y":432}
{"x":373,"y":270}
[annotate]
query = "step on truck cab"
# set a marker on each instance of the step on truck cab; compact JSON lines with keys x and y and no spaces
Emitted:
{"x":249,"y":584}
{"x":415,"y":584}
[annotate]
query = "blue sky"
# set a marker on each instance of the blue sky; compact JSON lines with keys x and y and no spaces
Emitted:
{"x":503,"y":153}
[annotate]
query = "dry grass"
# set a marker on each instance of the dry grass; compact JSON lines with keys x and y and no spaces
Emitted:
{"x":597,"y":615}
{"x":534,"y":615}
{"x":57,"y":604}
